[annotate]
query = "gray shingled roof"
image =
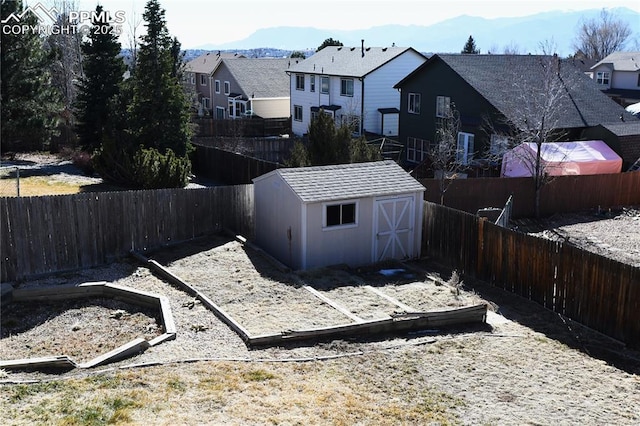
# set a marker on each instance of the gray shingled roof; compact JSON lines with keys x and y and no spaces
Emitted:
{"x":206,"y":63}
{"x":624,"y":129}
{"x":347,"y":61}
{"x":489,"y":75}
{"x":348,"y":181}
{"x":622,"y":61}
{"x":261,"y":77}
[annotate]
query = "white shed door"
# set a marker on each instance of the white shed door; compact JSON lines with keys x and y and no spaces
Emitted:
{"x":393,"y":228}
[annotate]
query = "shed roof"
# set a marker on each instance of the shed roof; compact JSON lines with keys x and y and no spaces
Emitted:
{"x":349,"y":61}
{"x":345,"y":181}
{"x":624,"y":129}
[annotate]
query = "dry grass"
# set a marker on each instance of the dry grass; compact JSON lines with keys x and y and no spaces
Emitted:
{"x":37,"y":185}
{"x":334,"y":392}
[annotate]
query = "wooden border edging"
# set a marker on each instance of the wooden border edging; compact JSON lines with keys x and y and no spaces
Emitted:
{"x":409,"y":321}
{"x":178,"y":282}
{"x":96,"y":289}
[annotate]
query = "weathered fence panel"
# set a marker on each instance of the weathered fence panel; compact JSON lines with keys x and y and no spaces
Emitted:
{"x":229,"y":167}
{"x":593,"y":290}
{"x":53,"y":233}
{"x":563,"y":194}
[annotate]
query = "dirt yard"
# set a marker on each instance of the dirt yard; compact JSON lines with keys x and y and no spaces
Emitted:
{"x":527,"y":366}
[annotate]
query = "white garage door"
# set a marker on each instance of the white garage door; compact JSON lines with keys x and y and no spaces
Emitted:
{"x":393,"y":228}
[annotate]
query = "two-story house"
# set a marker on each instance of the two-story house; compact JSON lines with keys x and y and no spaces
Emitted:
{"x":243,"y":87}
{"x":618,"y":75}
{"x":197,"y":79}
{"x":352,"y":84}
{"x":492,"y":93}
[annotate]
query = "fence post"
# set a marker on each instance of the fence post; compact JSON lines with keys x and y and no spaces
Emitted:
{"x":18,"y":181}
{"x":479,"y":262}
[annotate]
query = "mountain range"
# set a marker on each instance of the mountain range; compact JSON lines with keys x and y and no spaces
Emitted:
{"x":519,"y":35}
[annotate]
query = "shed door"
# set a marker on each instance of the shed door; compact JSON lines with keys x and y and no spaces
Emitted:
{"x":393,"y":228}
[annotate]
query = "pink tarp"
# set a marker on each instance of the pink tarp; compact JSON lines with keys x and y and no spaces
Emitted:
{"x":562,"y":158}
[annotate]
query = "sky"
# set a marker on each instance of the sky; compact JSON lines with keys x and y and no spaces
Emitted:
{"x":199,"y":22}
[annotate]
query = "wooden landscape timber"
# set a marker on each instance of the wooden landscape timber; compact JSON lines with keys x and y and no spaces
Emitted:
{"x":408,"y":321}
{"x":94,"y":289}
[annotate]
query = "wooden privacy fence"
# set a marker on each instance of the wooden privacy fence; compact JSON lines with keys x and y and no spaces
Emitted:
{"x":64,"y":232}
{"x":229,"y":167}
{"x":563,"y":194}
{"x":593,"y":290}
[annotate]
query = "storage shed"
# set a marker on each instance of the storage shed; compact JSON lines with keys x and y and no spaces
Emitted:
{"x":562,"y":158}
{"x":352,"y":214}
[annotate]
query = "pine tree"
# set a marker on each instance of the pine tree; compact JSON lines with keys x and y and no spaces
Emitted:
{"x":103,"y":74}
{"x":160,"y":110}
{"x":327,"y":143}
{"x":470,"y":47}
{"x":30,"y":105}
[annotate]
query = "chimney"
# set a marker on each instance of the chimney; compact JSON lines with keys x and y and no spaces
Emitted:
{"x":362,"y":48}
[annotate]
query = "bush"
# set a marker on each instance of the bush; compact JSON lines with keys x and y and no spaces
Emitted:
{"x":82,"y":160}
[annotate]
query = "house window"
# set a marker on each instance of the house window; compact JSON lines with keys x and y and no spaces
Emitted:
{"x":414,"y":103}
{"x":638,"y":80}
{"x":340,"y":214}
{"x":299,"y":81}
{"x":417,"y":149}
{"x":203,"y":80}
{"x":324,"y":85}
{"x":206,"y":103}
{"x":346,"y":87}
{"x":499,"y":144}
{"x":192,"y":78}
{"x":220,"y":113}
{"x":602,"y":77}
{"x":443,"y":105}
{"x":297,"y":112}
{"x":217,"y":83}
{"x":312,"y":83}
{"x":227,"y":88}
{"x":465,"y":150}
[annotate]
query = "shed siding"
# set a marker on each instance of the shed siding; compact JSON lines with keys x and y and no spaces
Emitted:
{"x":351,"y":246}
{"x":277,"y":210}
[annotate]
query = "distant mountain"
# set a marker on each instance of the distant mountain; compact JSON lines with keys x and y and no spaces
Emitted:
{"x":491,"y":35}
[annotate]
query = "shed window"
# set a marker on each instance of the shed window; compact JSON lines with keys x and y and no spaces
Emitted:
{"x":340,"y":214}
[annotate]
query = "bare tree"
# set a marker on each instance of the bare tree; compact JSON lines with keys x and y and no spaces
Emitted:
{"x":538,"y":95}
{"x":599,"y":37}
{"x":445,"y":155}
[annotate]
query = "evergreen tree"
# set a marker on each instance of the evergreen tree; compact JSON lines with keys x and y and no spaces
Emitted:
{"x":159,"y":110}
{"x":103,"y":74}
{"x":327,"y":143}
{"x":329,"y":42}
{"x":30,"y":106}
{"x":470,"y":47}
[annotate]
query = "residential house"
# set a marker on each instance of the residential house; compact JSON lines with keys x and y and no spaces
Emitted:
{"x":624,"y":138}
{"x":618,"y":75}
{"x":491,"y":93}
{"x":197,"y":79}
{"x":353,"y":214}
{"x":353,"y":85}
{"x":245,"y":87}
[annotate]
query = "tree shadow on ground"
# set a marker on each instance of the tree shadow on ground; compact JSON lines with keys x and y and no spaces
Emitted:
{"x":554,"y":326}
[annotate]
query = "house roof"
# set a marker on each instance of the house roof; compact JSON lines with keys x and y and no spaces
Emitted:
{"x":260,"y":77}
{"x":348,"y":181}
{"x":624,"y":129}
{"x":206,"y":63}
{"x":501,"y":79}
{"x":349,"y":61}
{"x":622,"y":61}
